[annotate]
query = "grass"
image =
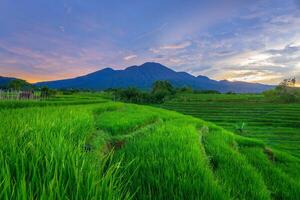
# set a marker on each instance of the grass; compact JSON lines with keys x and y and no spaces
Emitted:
{"x":109,"y":150}
{"x":125,"y":119}
{"x":171,"y":163}
{"x":232,"y":169}
{"x":276,"y":124}
{"x":42,"y":156}
{"x":60,"y":100}
{"x":279,"y":183}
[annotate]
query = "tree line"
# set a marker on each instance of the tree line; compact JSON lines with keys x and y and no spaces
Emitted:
{"x":285,"y":92}
{"x":160,"y":92}
{"x":22,"y":85}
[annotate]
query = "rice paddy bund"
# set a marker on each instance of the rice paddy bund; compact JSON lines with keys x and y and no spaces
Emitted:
{"x":278,"y":125}
{"x":81,"y":147}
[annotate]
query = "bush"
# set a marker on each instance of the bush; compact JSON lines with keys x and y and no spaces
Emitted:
{"x":46,"y":92}
{"x":161,"y":90}
{"x":18,"y":84}
{"x":285,"y":92}
{"x":206,"y":92}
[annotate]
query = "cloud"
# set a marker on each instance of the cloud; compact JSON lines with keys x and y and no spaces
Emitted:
{"x":152,"y":32}
{"x":288,"y":50}
{"x":270,"y":65}
{"x":253,"y":76}
{"x":130,"y":57}
{"x":154,"y":50}
{"x":62,"y":28}
{"x":182,"y":45}
{"x":255,"y":41}
{"x":37,"y":57}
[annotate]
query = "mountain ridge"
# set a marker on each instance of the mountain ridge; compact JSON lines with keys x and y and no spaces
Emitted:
{"x":144,"y":75}
{"x":5,"y":80}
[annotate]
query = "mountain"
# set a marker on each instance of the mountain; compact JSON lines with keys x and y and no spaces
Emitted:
{"x":4,"y":81}
{"x":143,"y":77}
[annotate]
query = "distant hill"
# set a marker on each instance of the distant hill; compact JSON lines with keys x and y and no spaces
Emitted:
{"x":143,"y":77}
{"x":4,"y":81}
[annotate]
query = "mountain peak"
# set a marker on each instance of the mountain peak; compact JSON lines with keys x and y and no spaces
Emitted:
{"x":203,"y":77}
{"x":143,"y":76}
{"x":107,"y":69}
{"x":150,"y":67}
{"x":152,"y":64}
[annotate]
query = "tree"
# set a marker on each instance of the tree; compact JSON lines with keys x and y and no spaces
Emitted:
{"x":284,"y":92}
{"x":47,"y":92}
{"x":131,"y":95}
{"x":165,"y":86}
{"x":185,"y":90}
{"x":161,"y":90}
{"x":18,"y":84}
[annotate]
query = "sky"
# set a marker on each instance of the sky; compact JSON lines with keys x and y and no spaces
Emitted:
{"x":237,"y":40}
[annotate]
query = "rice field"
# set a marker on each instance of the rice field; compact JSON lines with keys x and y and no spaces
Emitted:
{"x":249,"y":115}
{"x":109,"y":150}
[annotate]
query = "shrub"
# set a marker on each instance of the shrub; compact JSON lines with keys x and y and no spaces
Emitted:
{"x":285,"y":92}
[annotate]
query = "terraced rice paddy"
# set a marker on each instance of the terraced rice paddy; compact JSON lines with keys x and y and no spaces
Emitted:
{"x":109,"y":150}
{"x":248,"y":115}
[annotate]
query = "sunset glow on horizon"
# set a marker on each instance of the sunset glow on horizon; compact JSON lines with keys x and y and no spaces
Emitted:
{"x":257,"y":41}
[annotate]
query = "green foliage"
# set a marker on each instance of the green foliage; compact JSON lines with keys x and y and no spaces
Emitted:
{"x":230,"y":93}
{"x":92,"y":149}
{"x":165,"y":155}
{"x":130,"y":95}
{"x":18,"y":84}
{"x":282,"y":185}
{"x":47,"y":92}
{"x":285,"y":92}
{"x":161,"y":90}
{"x":236,"y":175}
{"x":125,"y":119}
{"x":240,"y":127}
{"x":162,"y":87}
{"x":273,"y":122}
{"x":184,"y":90}
{"x":171,"y":163}
{"x":206,"y":92}
{"x":70,"y":91}
{"x":41,"y":156}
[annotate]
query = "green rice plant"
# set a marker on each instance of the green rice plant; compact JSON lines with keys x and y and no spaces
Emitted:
{"x":288,"y":164}
{"x":232,"y":169}
{"x":171,"y":164}
{"x":275,"y":123}
{"x":279,"y":183}
{"x":41,"y":156}
{"x":125,"y":120}
{"x":240,"y":127}
{"x":80,"y":147}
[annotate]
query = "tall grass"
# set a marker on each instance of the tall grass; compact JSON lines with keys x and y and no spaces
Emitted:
{"x":42,"y":156}
{"x":181,"y":157}
{"x":125,"y":119}
{"x":123,"y":151}
{"x":277,"y":124}
{"x":279,"y":183}
{"x":237,"y":176}
{"x":171,"y":165}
